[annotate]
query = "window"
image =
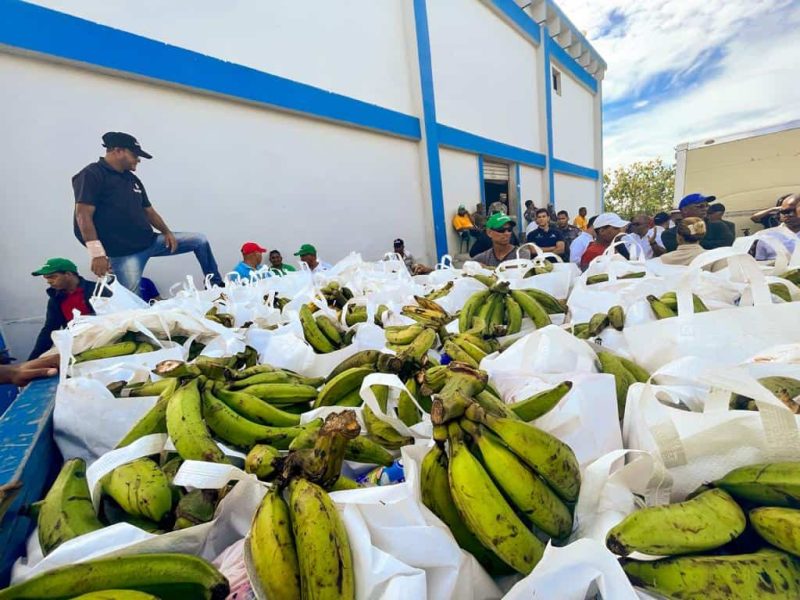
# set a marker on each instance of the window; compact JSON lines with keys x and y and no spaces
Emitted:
{"x":556,"y":80}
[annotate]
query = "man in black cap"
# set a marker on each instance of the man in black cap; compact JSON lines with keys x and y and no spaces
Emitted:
{"x":114,"y":218}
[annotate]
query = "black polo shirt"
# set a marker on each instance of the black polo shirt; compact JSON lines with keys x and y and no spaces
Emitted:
{"x":545,"y":239}
{"x":119,"y":200}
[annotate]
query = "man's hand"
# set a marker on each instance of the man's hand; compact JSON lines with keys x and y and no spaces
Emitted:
{"x":23,"y":373}
{"x":100,"y":265}
{"x":171,"y":242}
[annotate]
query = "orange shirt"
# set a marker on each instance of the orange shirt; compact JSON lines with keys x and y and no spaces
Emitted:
{"x":460,"y":222}
{"x":581,"y":223}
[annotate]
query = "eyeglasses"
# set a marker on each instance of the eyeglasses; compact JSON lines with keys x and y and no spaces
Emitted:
{"x":503,"y":230}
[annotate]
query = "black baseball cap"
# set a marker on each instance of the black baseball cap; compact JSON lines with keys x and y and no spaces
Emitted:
{"x":717,"y":207}
{"x":399,"y":242}
{"x":660,"y":218}
{"x":117,"y":139}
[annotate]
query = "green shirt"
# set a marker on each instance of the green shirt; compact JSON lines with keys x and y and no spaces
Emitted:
{"x":283,"y":269}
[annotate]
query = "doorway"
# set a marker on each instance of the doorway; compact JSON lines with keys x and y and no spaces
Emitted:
{"x":495,"y":184}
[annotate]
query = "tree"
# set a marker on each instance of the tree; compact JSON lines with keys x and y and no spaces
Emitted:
{"x":642,"y":187}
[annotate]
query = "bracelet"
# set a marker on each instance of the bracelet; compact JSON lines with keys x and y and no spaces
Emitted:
{"x":96,"y":250}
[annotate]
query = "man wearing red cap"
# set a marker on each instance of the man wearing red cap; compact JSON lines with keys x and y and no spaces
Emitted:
{"x":252,"y":255}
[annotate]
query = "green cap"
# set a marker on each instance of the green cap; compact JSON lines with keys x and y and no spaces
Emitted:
{"x":499,"y":220}
{"x":305,"y":250}
{"x":56,"y":265}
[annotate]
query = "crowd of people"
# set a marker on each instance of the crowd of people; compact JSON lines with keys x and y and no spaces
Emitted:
{"x":675,"y":238}
{"x":121,"y":230}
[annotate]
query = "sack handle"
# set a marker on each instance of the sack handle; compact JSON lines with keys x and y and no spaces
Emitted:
{"x":393,"y":381}
{"x":445,"y":263}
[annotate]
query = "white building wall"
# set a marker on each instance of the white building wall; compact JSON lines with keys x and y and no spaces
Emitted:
{"x":235,"y":172}
{"x":461,"y":185}
{"x":484,"y":74}
{"x":532,"y":186}
{"x":353,"y":47}
{"x":574,"y":192}
{"x":574,"y":132}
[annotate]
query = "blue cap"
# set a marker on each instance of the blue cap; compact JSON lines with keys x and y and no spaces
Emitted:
{"x":695,"y":199}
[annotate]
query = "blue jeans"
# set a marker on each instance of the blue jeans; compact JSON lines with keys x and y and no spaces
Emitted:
{"x":128,"y":269}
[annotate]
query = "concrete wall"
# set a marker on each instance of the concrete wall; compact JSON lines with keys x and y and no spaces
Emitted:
{"x":233,"y":171}
{"x":484,"y":74}
{"x":353,"y":47}
{"x":461,"y":185}
{"x":574,"y":133}
{"x":531,"y":186}
{"x":574,"y":192}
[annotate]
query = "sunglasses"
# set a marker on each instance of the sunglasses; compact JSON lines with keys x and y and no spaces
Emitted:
{"x":788,"y":212}
{"x":503,"y":230}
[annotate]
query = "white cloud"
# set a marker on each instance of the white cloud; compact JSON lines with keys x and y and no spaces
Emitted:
{"x":755,"y":83}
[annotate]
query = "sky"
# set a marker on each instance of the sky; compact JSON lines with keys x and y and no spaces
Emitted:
{"x":688,"y":70}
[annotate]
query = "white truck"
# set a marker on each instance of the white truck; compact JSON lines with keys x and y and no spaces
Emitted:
{"x":746,"y":171}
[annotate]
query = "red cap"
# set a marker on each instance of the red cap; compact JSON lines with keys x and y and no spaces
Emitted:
{"x":249,"y":247}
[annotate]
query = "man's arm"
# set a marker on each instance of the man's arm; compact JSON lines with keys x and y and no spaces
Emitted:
{"x":157,"y":222}
{"x":53,"y":321}
{"x":84,"y":215}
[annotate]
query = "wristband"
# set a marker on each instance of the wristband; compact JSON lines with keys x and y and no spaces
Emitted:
{"x":96,"y":249}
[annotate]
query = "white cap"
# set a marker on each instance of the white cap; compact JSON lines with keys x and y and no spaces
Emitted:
{"x":609,"y":219}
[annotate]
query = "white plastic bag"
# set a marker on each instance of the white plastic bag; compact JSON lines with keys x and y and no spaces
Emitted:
{"x":231,"y":522}
{"x":727,"y":336}
{"x":121,"y":298}
{"x":698,"y":447}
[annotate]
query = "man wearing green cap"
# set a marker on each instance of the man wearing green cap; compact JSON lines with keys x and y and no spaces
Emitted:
{"x":308,"y":255}
{"x":500,"y":228}
{"x":68,"y":292}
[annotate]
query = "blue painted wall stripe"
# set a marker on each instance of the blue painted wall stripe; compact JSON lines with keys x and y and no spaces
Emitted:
{"x":480,"y":180}
{"x":562,"y":57}
{"x":458,"y":139}
{"x":431,"y":129}
{"x":568,"y":168}
{"x":520,"y":217}
{"x":519,"y":19}
{"x":41,"y":30}
{"x":548,"y":104}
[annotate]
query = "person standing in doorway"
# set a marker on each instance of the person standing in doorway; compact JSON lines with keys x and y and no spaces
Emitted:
{"x":479,"y":216}
{"x":114,"y":218}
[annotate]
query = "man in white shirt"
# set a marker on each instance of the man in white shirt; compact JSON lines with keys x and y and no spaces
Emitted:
{"x":580,"y":243}
{"x":639,"y":236}
{"x":788,"y":231}
{"x":308,"y":255}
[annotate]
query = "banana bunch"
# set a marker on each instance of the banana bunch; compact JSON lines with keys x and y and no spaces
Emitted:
{"x":322,"y":332}
{"x":615,"y":317}
{"x":540,"y":269}
{"x":113,"y":350}
{"x":298,"y":546}
{"x":427,"y":313}
{"x":224,"y":319}
{"x":735,"y":538}
{"x":500,"y":310}
{"x":440,"y":292}
{"x":411,"y":342}
{"x":785,"y":389}
{"x":336,"y":295}
{"x":667,"y":305}
{"x":793,"y":276}
{"x":625,"y":372}
{"x":66,"y":512}
{"x":470,"y":347}
{"x":162,"y":576}
{"x":603,"y":277}
{"x":512,"y":484}
{"x":355,"y":313}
